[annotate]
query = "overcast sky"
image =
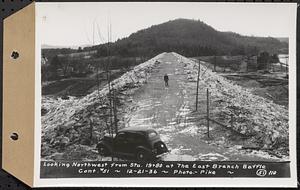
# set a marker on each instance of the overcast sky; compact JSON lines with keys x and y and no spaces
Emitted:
{"x":71,"y":24}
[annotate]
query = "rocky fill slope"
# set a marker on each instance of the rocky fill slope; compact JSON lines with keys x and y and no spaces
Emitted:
{"x":66,"y":124}
{"x":71,"y":128}
{"x":254,"y":116}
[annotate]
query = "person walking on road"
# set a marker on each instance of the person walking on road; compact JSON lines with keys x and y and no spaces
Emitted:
{"x":166,"y":79}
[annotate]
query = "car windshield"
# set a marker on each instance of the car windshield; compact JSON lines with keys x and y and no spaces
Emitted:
{"x":152,"y":134}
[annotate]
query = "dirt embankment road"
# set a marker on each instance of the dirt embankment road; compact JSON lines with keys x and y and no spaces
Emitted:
{"x":171,"y":112}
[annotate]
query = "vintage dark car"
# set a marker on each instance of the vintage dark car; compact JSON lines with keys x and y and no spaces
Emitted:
{"x":137,"y":142}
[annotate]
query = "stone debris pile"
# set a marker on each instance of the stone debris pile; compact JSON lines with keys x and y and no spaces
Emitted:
{"x":71,"y":127}
{"x":83,"y":121}
{"x":259,"y":118}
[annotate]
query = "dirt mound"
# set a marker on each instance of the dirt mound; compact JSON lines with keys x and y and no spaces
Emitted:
{"x":72,"y":126}
{"x":71,"y":121}
{"x":254,"y":116}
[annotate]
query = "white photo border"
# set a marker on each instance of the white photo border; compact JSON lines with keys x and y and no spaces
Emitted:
{"x":167,"y":181}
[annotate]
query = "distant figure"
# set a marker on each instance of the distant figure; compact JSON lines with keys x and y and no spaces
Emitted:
{"x":166,"y":79}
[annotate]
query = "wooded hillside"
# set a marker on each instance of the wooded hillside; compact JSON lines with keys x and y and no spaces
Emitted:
{"x":190,"y":38}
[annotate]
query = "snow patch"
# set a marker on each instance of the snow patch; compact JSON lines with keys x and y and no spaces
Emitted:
{"x":192,"y":130}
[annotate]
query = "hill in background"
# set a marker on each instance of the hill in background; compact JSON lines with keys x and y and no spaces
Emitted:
{"x":190,"y":38}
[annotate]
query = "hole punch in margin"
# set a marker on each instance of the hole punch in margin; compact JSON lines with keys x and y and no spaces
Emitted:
{"x":15,"y":55}
{"x":14,"y":136}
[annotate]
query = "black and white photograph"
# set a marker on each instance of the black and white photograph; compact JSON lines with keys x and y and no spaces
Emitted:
{"x":160,"y":82}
